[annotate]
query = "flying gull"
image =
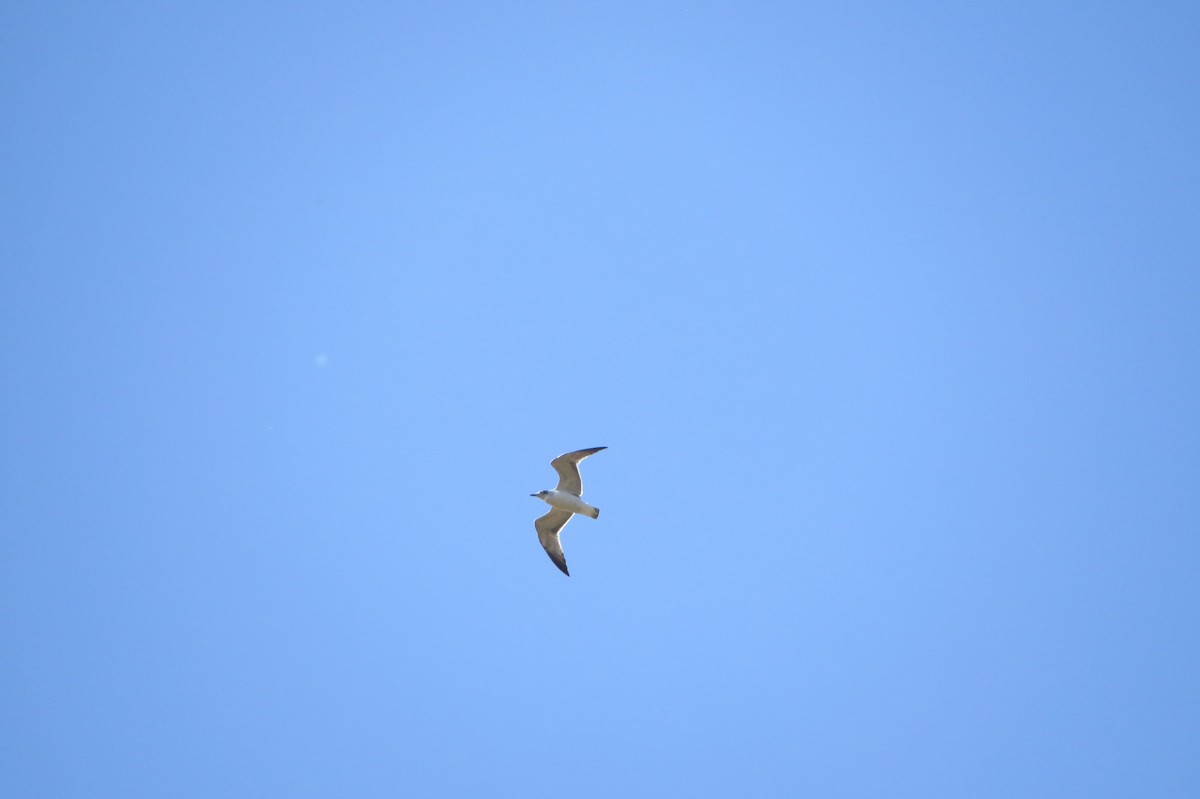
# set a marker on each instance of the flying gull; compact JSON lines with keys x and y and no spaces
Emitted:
{"x":564,"y":503}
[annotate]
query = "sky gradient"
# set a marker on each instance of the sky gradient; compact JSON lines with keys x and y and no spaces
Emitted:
{"x":888,"y":315}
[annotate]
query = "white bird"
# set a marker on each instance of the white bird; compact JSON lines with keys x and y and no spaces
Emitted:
{"x":564,"y":502}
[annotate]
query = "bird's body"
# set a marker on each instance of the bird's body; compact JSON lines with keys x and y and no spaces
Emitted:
{"x":565,"y":502}
{"x":568,"y":502}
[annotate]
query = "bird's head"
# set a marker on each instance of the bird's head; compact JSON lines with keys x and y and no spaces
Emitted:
{"x":540,"y":494}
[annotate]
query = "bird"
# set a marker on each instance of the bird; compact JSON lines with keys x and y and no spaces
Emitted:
{"x":564,"y":502}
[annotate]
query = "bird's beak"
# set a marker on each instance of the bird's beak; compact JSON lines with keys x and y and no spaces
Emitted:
{"x":533,"y":495}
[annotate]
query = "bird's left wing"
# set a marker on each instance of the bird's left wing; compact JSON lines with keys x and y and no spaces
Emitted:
{"x":567,"y":467}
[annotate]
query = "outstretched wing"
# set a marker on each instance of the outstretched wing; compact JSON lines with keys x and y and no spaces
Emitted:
{"x":547,"y":529}
{"x":567,"y":467}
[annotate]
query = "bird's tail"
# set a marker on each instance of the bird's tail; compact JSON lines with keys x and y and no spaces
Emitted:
{"x":595,"y":514}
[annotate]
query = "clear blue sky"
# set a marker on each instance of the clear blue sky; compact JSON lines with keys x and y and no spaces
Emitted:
{"x":889,"y":315}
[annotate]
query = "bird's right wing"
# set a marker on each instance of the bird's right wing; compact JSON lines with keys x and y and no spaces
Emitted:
{"x":547,"y":529}
{"x":567,"y":467}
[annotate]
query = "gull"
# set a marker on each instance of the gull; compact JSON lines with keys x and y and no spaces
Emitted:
{"x":564,"y":503}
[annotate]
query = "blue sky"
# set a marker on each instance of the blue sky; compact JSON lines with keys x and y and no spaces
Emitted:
{"x":889,"y":316}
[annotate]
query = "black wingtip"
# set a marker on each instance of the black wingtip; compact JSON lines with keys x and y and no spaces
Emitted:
{"x":561,"y":564}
